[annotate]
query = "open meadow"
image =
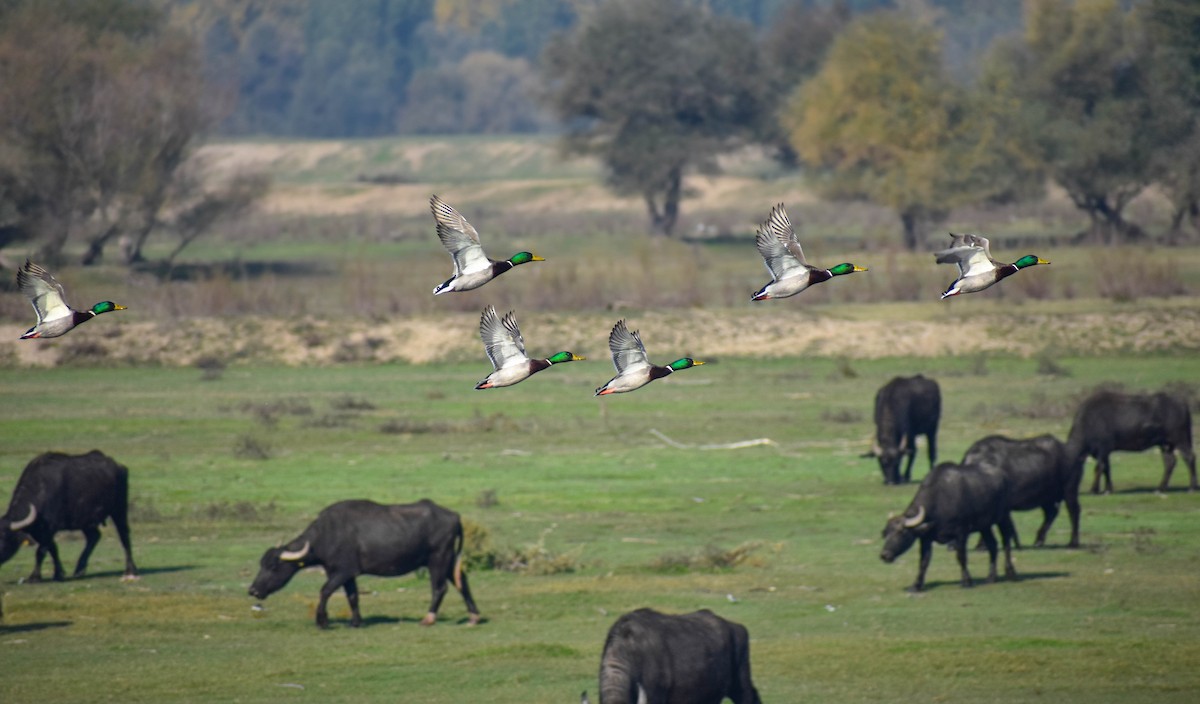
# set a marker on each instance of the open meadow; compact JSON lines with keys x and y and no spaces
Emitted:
{"x":297,"y":358}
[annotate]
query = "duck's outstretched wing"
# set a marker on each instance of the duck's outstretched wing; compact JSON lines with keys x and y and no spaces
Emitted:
{"x":459,"y":238}
{"x":628,"y":352}
{"x":501,"y":338}
{"x":44,"y":292}
{"x":971,"y":253}
{"x":776,"y":242}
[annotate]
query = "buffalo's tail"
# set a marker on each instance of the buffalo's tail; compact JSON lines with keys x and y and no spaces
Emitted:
{"x":458,"y":561}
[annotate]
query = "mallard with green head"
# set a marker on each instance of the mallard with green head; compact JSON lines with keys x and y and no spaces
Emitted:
{"x":506,"y":348}
{"x":633,"y":366}
{"x":54,"y":316}
{"x":472,"y":268}
{"x":976,"y":268}
{"x":790,"y":271}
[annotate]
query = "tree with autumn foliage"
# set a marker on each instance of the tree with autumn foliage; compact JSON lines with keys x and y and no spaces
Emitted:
{"x":882,"y":121}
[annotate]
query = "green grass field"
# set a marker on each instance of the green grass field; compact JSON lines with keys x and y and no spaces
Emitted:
{"x":783,"y":538}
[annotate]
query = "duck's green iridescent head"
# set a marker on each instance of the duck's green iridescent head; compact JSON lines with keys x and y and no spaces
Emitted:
{"x":564,"y":357}
{"x":1029,"y":260}
{"x":105,"y":307}
{"x":846,"y":268}
{"x":524,"y":258}
{"x":685,"y":363}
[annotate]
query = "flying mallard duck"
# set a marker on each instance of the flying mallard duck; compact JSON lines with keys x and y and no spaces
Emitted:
{"x":633,"y":367}
{"x":472,"y":268}
{"x":55,"y":317}
{"x":506,"y":348}
{"x":976,"y":268}
{"x":790,"y":272}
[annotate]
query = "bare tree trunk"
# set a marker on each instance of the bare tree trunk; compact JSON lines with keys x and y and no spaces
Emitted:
{"x":663,"y":221}
{"x":95,"y":250}
{"x":909,"y":218}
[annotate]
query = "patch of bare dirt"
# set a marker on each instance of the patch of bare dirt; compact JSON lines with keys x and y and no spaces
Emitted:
{"x":699,"y":333}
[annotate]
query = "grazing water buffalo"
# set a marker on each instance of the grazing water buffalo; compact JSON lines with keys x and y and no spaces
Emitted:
{"x":904,"y":408}
{"x":350,"y":538}
{"x":696,"y":658}
{"x":1108,"y":421}
{"x":1041,"y":473}
{"x":952,"y":502}
{"x":67,"y":492}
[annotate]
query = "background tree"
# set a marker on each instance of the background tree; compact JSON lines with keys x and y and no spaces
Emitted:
{"x":882,"y":121}
{"x":1082,"y":73}
{"x":100,"y":106}
{"x":1173,"y":28}
{"x":657,"y":89}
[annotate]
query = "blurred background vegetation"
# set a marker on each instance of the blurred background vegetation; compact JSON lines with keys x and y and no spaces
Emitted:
{"x":922,"y":113}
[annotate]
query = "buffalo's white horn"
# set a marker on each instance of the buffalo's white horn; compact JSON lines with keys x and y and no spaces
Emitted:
{"x":917,"y":519}
{"x":296,"y":555}
{"x":28,"y":520}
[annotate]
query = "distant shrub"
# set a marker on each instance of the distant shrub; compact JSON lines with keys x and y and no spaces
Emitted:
{"x":85,"y":352}
{"x":487,"y":499}
{"x":350,"y":403}
{"x":711,"y":557}
{"x":1048,"y":366}
{"x":248,"y":447}
{"x":846,"y":416}
{"x":211,"y":367}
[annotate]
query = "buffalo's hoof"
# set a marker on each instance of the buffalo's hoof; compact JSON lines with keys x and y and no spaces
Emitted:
{"x":429,"y":619}
{"x":914,"y":589}
{"x":473,"y":620}
{"x":130,"y":577}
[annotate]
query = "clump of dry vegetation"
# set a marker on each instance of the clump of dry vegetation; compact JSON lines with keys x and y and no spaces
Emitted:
{"x":712,"y":558}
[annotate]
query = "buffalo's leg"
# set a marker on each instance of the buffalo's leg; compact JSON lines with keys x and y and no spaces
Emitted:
{"x":46,"y":547}
{"x":1168,"y":455}
{"x":1008,"y":533}
{"x":989,"y":541}
{"x":464,"y":588}
{"x":1102,"y":470}
{"x":351,"y":589}
{"x":960,"y":551}
{"x":1049,"y":513}
{"x":1189,"y":457}
{"x":121,"y":523}
{"x":911,"y":451}
{"x":91,"y":536}
{"x":439,"y":574}
{"x":328,"y":589}
{"x":932,"y":438}
{"x":926,"y":554}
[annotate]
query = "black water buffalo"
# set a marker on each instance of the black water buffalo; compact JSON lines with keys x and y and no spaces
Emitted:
{"x":1108,"y":421}
{"x":1041,"y":473}
{"x":696,"y":658}
{"x":67,"y":492}
{"x":904,"y":408}
{"x":952,"y":502}
{"x":350,"y":538}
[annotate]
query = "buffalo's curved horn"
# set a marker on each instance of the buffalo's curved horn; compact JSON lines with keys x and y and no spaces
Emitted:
{"x":917,"y":519}
{"x":27,"y":521}
{"x":295,"y":555}
{"x":903,"y":443}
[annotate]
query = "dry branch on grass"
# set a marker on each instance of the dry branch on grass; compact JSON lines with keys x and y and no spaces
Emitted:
{"x":716,"y":446}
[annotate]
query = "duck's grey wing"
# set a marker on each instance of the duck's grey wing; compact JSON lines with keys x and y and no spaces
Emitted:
{"x":971,"y":254}
{"x":501,"y":338}
{"x":627,"y":349}
{"x":44,"y":292}
{"x":776,"y":242}
{"x":459,"y":238}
